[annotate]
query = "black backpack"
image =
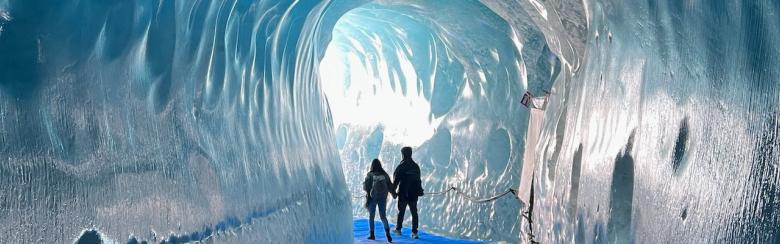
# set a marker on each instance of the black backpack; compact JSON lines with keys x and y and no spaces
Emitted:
{"x":379,"y":184}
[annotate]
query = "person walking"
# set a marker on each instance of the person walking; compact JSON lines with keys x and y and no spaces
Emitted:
{"x":377,"y":185}
{"x":409,"y":187}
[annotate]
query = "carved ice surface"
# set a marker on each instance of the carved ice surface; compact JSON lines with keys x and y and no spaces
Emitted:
{"x":167,"y":120}
{"x":253,"y":121}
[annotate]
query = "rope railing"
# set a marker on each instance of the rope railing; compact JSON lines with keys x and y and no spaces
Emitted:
{"x":525,"y":215}
{"x":442,"y":192}
{"x":462,"y":194}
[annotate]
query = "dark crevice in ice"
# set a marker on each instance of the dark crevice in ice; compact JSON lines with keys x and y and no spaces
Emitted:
{"x":575,"y":181}
{"x":621,"y":197}
{"x":680,"y":146}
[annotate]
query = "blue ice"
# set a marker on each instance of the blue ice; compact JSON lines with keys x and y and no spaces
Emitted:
{"x":253,"y":121}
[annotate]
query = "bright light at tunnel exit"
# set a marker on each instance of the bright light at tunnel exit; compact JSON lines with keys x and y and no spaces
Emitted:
{"x":361,"y":97}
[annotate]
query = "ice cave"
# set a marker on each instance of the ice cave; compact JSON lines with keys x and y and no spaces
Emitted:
{"x":255,"y":121}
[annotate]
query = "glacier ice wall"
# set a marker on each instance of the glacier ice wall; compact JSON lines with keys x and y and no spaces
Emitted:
{"x":167,"y":120}
{"x":667,"y":131}
{"x":662,"y":124}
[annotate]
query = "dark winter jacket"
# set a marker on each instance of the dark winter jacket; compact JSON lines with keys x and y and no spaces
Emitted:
{"x":407,"y":180}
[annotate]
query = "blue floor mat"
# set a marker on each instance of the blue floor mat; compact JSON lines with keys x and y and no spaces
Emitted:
{"x":360,"y":227}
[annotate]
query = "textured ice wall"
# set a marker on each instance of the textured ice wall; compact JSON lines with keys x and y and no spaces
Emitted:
{"x":167,"y":120}
{"x":418,"y":73}
{"x":668,"y":131}
{"x":151,"y":118}
{"x":662,"y":126}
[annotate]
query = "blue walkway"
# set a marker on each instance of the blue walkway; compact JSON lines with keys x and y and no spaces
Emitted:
{"x":361,"y":232}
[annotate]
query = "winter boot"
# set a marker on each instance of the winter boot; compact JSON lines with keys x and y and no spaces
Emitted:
{"x":389,"y":238}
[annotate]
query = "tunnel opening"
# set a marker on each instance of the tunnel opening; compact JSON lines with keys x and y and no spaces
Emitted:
{"x":376,"y":76}
{"x":410,"y":73}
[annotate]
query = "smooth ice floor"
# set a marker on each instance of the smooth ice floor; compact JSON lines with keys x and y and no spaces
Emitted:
{"x":360,"y":227}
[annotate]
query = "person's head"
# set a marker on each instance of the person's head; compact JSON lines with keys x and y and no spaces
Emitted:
{"x":376,"y":165}
{"x":406,"y":152}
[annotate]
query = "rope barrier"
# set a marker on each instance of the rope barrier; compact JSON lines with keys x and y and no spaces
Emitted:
{"x":442,"y":192}
{"x":463,"y":194}
{"x":525,"y":215}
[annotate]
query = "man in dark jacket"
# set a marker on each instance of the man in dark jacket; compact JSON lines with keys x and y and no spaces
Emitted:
{"x":409,"y":187}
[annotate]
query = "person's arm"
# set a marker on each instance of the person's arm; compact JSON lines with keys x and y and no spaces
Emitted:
{"x":367,"y":183}
{"x":419,"y":181}
{"x":396,"y":179}
{"x":390,"y":186}
{"x":419,"y":173}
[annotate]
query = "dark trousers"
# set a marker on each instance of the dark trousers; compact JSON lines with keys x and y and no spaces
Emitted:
{"x":402,"y":208}
{"x":373,"y":204}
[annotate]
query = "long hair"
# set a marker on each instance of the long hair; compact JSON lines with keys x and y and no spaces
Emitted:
{"x":376,"y":166}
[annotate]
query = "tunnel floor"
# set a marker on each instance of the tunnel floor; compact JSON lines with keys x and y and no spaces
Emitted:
{"x":360,"y":227}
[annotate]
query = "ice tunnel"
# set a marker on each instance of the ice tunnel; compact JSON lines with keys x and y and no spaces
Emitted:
{"x":254,"y":121}
{"x":399,"y":74}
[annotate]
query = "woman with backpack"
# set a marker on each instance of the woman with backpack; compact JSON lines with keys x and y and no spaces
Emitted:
{"x":377,"y":185}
